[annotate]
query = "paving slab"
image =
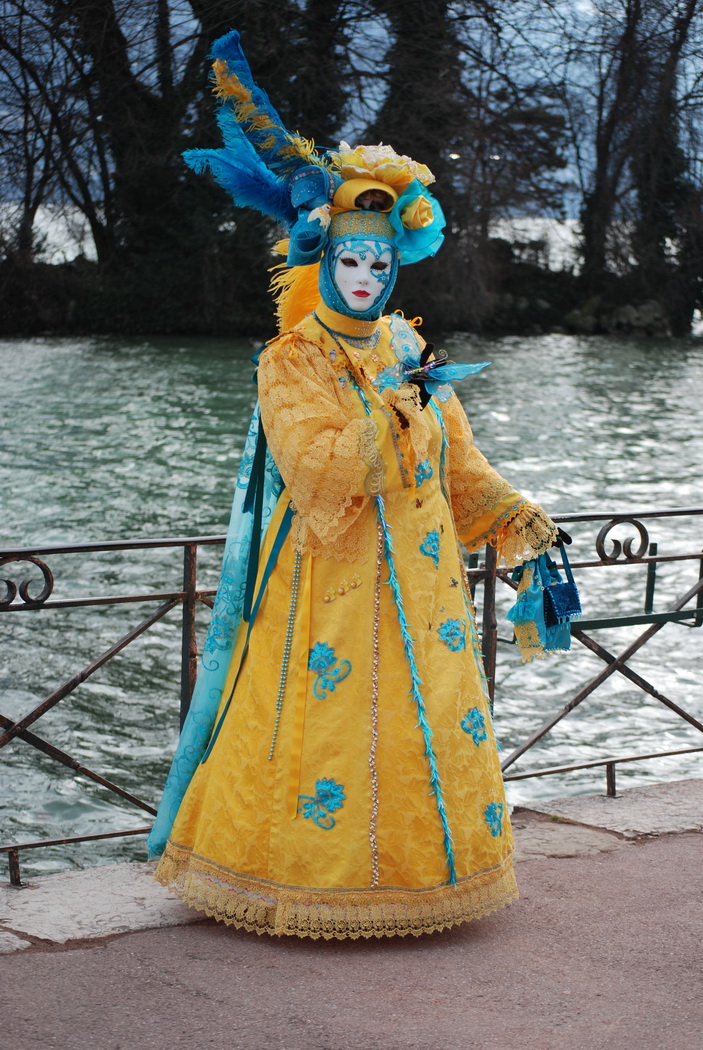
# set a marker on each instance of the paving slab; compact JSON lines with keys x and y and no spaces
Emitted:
{"x":98,"y":902}
{"x":118,"y":898}
{"x":10,"y":942}
{"x":542,"y":835}
{"x":656,"y":809}
{"x":603,"y":951}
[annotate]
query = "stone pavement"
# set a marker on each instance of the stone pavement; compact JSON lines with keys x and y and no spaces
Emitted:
{"x":603,"y":950}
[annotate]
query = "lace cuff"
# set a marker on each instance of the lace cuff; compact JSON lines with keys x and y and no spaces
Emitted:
{"x":528,"y":533}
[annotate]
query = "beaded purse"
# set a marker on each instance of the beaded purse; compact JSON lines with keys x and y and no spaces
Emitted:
{"x":561,"y":597}
{"x":546,"y":604}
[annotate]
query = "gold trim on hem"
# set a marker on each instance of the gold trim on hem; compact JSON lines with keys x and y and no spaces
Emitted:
{"x":263,"y":906}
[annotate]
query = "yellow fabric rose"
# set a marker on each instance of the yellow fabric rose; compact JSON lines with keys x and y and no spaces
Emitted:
{"x":417,"y":214}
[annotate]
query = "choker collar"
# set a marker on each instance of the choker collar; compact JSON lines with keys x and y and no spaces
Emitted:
{"x":342,"y":325}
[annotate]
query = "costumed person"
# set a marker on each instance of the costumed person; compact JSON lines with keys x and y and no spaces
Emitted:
{"x":337,"y":775}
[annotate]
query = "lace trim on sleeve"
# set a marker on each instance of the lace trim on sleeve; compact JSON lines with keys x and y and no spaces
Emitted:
{"x":529,"y":532}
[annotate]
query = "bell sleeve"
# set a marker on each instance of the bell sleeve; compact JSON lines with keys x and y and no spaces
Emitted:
{"x":486,"y":508}
{"x":328,"y":456}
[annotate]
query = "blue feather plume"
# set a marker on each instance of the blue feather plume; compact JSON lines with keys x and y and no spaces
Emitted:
{"x":259,"y":154}
{"x":228,"y":48}
{"x":251,"y":185}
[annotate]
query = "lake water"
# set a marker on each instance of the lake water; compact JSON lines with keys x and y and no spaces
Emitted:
{"x":120,"y":439}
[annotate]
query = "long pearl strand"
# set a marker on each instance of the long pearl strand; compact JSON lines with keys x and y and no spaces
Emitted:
{"x":286,"y":649}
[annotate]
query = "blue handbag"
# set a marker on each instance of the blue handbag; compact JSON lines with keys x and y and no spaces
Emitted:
{"x":545,"y":606}
{"x":561,"y":598}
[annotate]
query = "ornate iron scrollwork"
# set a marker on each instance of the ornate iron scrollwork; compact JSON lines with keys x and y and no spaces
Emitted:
{"x":624,"y":546}
{"x":13,"y":588}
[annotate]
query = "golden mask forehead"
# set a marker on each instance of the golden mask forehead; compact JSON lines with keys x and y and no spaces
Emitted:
{"x":346,"y":196}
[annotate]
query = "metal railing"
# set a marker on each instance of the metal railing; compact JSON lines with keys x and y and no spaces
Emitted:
{"x":23,"y":597}
{"x":622,"y":553}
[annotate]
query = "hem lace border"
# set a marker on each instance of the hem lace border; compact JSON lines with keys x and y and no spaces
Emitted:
{"x":263,"y":906}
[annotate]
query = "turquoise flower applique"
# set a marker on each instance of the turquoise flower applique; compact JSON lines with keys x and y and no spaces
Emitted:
{"x":245,"y":469}
{"x":453,"y":634}
{"x":319,"y":807}
{"x":391,"y":376}
{"x":474,"y":724}
{"x":430,"y":546}
{"x":493,"y":817}
{"x":423,"y":471}
{"x":322,"y":661}
{"x":219,"y":635}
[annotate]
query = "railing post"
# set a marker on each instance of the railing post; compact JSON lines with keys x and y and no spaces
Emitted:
{"x":610,"y":780}
{"x":13,"y":858}
{"x":651,"y":579}
{"x":189,"y":652}
{"x":489,"y":630}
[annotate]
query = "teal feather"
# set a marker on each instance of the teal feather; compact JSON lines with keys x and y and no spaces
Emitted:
{"x":228,"y":49}
{"x":255,"y":163}
{"x":272,"y":142}
{"x":250,"y":184}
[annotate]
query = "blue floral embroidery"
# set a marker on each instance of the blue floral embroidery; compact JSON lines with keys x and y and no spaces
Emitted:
{"x":423,"y":471}
{"x":319,"y":808}
{"x":493,"y":817}
{"x":219,"y":635}
{"x":475,"y":724}
{"x":322,"y":660}
{"x":430,"y":546}
{"x":453,"y":634}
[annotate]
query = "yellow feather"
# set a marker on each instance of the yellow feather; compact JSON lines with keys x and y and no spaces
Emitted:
{"x":300,"y":147}
{"x":262,"y":122}
{"x":245,"y":111}
{"x":295,"y":289}
{"x":228,"y":85}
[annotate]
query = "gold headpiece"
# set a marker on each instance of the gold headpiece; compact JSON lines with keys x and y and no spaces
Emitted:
{"x":361,"y":223}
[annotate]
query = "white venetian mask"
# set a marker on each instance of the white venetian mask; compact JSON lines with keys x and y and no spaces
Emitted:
{"x":362,"y":275}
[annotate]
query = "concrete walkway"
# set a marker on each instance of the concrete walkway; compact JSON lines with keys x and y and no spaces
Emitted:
{"x":604,"y":950}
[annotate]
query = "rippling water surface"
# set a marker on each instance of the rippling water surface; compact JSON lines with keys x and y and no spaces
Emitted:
{"x":105,"y":439}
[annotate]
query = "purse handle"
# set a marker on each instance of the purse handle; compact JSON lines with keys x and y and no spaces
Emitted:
{"x":565,"y":563}
{"x":543,"y":570}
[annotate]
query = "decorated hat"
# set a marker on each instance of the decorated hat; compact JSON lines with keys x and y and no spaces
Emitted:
{"x":320,"y":198}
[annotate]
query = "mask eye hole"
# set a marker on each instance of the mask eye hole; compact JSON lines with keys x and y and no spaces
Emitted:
{"x":379,"y":265}
{"x":347,"y":260}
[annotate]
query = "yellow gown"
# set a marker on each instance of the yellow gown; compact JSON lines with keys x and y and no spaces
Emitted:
{"x":353,"y":787}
